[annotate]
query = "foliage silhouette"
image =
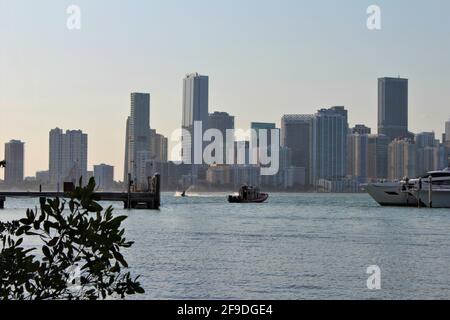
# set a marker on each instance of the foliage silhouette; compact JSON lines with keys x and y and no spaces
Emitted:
{"x":80,"y":257}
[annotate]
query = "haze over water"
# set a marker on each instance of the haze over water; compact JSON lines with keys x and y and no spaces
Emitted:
{"x":296,"y":246}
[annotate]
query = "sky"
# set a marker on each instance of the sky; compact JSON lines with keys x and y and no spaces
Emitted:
{"x":265,"y":58}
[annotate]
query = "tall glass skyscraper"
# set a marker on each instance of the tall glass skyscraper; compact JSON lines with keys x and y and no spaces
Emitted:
{"x":393,"y":107}
{"x":137,"y":135}
{"x":329,"y":144}
{"x":195,"y":108}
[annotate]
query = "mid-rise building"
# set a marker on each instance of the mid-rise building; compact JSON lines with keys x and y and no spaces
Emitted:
{"x":14,"y":157}
{"x":68,"y":156}
{"x":159,"y":146}
{"x":402,"y":159}
{"x":104,"y":176}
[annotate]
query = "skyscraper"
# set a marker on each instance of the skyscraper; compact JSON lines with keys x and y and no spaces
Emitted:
{"x":138,"y":134}
{"x":329,"y":144}
{"x":257,"y":129}
{"x":68,"y":156}
{"x":14,"y":157}
{"x":357,"y":156}
{"x":428,"y":152}
{"x":104,"y":176}
{"x":377,"y":158}
{"x":402,"y":159}
{"x":195,"y":108}
{"x":393,"y":107}
{"x":361,"y":129}
{"x":296,"y":134}
{"x":221,"y":121}
{"x":159,"y":147}
{"x":447,"y":130}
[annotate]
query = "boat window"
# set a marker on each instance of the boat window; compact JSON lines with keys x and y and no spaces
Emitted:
{"x":437,"y":175}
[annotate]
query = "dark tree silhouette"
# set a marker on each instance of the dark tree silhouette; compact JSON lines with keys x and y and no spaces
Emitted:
{"x":80,"y":257}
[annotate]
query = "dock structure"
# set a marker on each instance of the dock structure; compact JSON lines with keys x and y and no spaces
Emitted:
{"x":150,"y":200}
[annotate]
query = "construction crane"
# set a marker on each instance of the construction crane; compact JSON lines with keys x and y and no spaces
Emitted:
{"x":2,"y":164}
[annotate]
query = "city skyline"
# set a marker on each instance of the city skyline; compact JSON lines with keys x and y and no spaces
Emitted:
{"x":81,"y":89}
{"x":140,"y":107}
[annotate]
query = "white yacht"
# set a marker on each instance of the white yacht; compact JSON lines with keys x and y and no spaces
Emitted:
{"x":430,"y":190}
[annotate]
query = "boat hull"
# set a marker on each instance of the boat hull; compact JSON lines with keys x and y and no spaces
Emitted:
{"x":391,"y":194}
{"x":439,"y":198}
{"x":237,"y":199}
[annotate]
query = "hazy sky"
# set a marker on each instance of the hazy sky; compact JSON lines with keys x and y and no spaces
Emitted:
{"x":264,"y":59}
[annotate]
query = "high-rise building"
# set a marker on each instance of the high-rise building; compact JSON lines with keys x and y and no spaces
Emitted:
{"x":447,"y":130}
{"x":221,"y":121}
{"x":159,"y":146}
{"x":297,"y":136}
{"x":104,"y":176}
{"x":195,"y":109}
{"x":329,"y":144}
{"x":402,"y":159}
{"x":257,"y":132}
{"x":428,"y":152}
{"x":127,"y":139}
{"x":361,"y":129}
{"x":68,"y":156}
{"x":377,"y":166}
{"x":393,"y":107}
{"x":14,"y":157}
{"x":138,"y":134}
{"x":357,"y":156}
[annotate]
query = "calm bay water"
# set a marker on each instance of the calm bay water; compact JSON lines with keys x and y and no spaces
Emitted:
{"x":301,"y":246}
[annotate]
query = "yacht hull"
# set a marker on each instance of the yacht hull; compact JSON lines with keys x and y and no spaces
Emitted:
{"x":391,"y":194}
{"x":439,"y":198}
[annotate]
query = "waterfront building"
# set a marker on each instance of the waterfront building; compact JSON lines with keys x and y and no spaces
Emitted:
{"x":137,"y":134}
{"x":221,"y":121}
{"x":68,"y":156}
{"x":447,"y":131}
{"x":159,"y":146}
{"x":357,"y":156}
{"x":297,"y":136}
{"x":329,"y":144}
{"x":393,"y":107}
{"x":104,"y":176}
{"x":195,"y":109}
{"x":402,"y":159}
{"x":377,"y":158}
{"x":14,"y":157}
{"x":428,"y":152}
{"x":361,"y":129}
{"x":43,"y":177}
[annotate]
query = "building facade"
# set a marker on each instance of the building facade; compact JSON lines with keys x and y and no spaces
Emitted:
{"x":14,"y":157}
{"x":68,"y":156}
{"x":393,"y":107}
{"x":296,"y":135}
{"x":195,"y":109}
{"x":402,"y":159}
{"x":329,"y":144}
{"x":104,"y":176}
{"x":138,"y":134}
